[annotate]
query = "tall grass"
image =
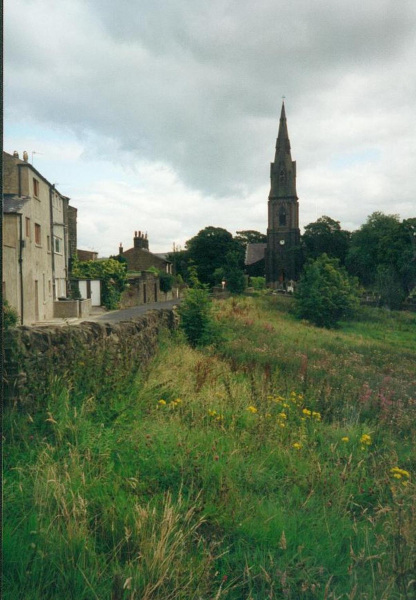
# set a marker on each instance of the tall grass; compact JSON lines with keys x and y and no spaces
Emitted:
{"x":276,"y":465}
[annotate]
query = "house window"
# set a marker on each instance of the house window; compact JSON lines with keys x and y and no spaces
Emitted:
{"x":58,"y":245}
{"x":35,"y":188}
{"x":48,"y":243}
{"x":37,"y":234}
{"x":27,"y":227}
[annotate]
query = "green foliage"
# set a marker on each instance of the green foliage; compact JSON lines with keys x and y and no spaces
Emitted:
{"x":112,"y":274}
{"x":166,"y":281}
{"x":258,"y":283}
{"x":208,"y":250}
{"x":196,"y":313}
{"x":389,"y":287}
{"x":325,"y":236}
{"x":384,"y":241}
{"x":10,"y":316}
{"x":121,"y":259}
{"x":325,"y":293}
{"x":234,"y":276}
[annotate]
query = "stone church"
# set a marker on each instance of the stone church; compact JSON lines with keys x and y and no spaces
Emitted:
{"x":281,"y":260}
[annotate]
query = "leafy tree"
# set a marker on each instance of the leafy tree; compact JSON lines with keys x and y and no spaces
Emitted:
{"x":208,"y":250}
{"x":325,"y":236}
{"x":389,"y":287}
{"x":112,"y":274}
{"x":233,"y":274}
{"x":325,"y":294}
{"x":250,"y":236}
{"x":180,"y":260}
{"x":383,"y":241}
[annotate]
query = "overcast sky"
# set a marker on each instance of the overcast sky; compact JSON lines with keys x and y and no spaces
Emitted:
{"x":162,"y":115}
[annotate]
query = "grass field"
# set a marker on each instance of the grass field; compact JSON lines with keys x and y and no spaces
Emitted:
{"x":278,"y":464}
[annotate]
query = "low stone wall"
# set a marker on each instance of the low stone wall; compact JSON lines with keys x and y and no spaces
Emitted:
{"x":36,"y":357}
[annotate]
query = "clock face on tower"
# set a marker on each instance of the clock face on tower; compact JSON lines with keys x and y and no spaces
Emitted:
{"x":282,"y":242}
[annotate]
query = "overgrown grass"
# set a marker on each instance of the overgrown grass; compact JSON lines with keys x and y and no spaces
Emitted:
{"x":258,"y":469}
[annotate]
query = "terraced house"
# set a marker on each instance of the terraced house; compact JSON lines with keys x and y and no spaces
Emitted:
{"x":38,"y":227}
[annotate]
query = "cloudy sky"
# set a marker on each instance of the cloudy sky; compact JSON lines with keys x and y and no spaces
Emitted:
{"x":162,"y":115}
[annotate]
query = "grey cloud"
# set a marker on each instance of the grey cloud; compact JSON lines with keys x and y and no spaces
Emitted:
{"x":197,"y":85}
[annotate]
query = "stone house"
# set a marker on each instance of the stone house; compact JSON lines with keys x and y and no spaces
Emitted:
{"x":36,"y":244}
{"x":139,"y":258}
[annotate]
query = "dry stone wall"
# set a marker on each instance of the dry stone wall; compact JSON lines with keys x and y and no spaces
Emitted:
{"x":88,"y":353}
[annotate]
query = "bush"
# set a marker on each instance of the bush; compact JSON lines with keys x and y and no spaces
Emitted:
{"x":389,"y":287}
{"x":165,"y":281}
{"x":258,"y":283}
{"x":10,"y":316}
{"x":325,"y":293}
{"x":196,"y":317}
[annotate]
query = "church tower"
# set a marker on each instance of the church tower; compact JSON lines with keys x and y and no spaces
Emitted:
{"x":283,"y":234}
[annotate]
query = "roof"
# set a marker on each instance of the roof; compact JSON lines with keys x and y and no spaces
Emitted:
{"x":254,"y":253}
{"x":162,"y":255}
{"x":13,"y":203}
{"x":22,"y":163}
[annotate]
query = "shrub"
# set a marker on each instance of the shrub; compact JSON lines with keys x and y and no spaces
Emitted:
{"x":10,"y":316}
{"x":196,"y":316}
{"x":258,"y":283}
{"x":325,"y":293}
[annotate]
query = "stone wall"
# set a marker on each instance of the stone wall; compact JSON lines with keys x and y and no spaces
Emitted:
{"x":87,"y":354}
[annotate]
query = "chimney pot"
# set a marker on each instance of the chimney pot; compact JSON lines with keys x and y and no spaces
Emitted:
{"x":25,"y":156}
{"x":16,"y":154}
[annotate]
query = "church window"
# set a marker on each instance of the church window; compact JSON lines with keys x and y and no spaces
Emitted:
{"x":282,"y":176}
{"x":282,"y":216}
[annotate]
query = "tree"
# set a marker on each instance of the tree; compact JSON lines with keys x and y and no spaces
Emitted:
{"x":195,"y":312}
{"x":208,"y":250}
{"x":234,"y":276}
{"x":383,"y":241}
{"x":325,"y":294}
{"x":325,"y":236}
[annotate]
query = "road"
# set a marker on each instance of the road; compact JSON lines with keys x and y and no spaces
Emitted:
{"x":126,"y":314}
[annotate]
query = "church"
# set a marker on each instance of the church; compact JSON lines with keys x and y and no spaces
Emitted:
{"x":281,"y":253}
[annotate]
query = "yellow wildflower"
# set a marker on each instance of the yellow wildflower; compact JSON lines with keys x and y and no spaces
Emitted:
{"x":316,"y":415}
{"x":397,"y":470}
{"x":212,"y":413}
{"x":282,"y":425}
{"x":345,"y":439}
{"x":306,"y":412}
{"x":162,"y":402}
{"x":365,"y":439}
{"x":252,"y":409}
{"x":178,"y":400}
{"x":397,"y":475}
{"x":268,"y":415}
{"x":297,"y":445}
{"x":282,"y":415}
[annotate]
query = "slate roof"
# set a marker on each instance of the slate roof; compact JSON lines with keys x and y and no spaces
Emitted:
{"x":13,"y":203}
{"x":254,"y":253}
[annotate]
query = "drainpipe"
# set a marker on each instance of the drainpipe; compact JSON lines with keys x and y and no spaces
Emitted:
{"x":51,"y":190}
{"x":21,"y":265}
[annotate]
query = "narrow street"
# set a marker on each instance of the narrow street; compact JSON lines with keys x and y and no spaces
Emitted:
{"x":115,"y":316}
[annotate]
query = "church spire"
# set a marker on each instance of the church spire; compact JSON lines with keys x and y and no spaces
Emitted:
{"x":282,"y":142}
